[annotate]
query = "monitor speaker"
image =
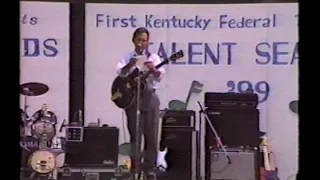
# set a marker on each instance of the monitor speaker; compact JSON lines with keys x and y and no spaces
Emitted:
{"x":99,"y":148}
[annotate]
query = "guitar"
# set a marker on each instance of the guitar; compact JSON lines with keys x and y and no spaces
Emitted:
{"x":161,"y":156}
{"x":124,"y":89}
{"x":270,"y":172}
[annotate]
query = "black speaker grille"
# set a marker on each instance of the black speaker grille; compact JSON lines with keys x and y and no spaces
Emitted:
{"x":236,"y":127}
{"x":99,"y":148}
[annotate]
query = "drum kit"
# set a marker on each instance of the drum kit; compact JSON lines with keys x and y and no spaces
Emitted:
{"x":42,"y":124}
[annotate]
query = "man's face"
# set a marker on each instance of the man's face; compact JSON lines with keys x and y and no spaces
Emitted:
{"x":141,"y":41}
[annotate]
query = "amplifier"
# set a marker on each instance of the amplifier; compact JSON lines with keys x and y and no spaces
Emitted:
{"x":236,"y":127}
{"x":243,"y":165}
{"x":238,"y":100}
{"x":182,"y":155}
{"x":99,"y":148}
{"x":178,"y":118}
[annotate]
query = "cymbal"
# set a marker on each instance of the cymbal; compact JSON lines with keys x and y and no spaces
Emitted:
{"x":33,"y":89}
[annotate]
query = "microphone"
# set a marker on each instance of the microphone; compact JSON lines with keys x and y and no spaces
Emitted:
{"x":99,"y":121}
{"x":62,"y":125}
{"x":139,"y":49}
{"x":80,"y":116}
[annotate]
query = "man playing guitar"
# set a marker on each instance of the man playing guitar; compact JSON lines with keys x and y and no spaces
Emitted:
{"x":149,"y":100}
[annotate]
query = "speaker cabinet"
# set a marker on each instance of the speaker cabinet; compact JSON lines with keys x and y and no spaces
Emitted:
{"x":243,"y":165}
{"x":181,"y":157}
{"x":99,"y":148}
{"x":236,"y":127}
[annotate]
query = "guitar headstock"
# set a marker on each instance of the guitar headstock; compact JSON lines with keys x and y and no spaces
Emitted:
{"x":176,"y":56}
{"x":265,"y":143}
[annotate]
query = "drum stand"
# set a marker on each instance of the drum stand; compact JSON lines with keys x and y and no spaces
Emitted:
{"x":24,"y":119}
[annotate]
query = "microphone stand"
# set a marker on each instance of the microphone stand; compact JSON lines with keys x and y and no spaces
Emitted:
{"x":214,"y":132}
{"x":138,"y":134}
{"x":137,"y":155}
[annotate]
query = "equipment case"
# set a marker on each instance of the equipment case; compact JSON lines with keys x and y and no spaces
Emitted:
{"x":76,"y":173}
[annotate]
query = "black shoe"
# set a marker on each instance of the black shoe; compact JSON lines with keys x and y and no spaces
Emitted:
{"x":151,"y":175}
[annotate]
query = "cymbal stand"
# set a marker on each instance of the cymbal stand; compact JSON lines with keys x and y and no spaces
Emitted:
{"x":24,"y":119}
{"x":25,"y":107}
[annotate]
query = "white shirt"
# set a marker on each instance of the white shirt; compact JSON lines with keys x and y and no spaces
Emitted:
{"x":154,"y":58}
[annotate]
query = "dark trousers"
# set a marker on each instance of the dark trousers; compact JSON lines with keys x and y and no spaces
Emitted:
{"x":148,"y":127}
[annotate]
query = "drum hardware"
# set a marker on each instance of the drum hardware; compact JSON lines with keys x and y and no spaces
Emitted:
{"x":44,"y":160}
{"x":43,"y":126}
{"x":59,"y":143}
{"x":47,"y":159}
{"x":29,"y":89}
{"x":32,"y":89}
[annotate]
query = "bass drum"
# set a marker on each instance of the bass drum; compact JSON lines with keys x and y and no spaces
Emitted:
{"x":42,"y":161}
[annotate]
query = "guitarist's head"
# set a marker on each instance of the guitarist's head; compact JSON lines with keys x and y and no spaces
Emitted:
{"x":140,"y":39}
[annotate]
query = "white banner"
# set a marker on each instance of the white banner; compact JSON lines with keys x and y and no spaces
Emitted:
{"x":44,"y":43}
{"x":227,"y":48}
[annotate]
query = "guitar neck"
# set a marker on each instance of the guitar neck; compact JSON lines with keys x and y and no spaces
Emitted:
{"x":266,"y":160}
{"x":159,"y":130}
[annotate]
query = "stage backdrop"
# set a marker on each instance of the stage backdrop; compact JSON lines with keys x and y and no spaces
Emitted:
{"x":44,"y":45}
{"x":227,"y":48}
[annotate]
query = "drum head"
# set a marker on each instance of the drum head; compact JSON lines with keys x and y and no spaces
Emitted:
{"x":43,"y":130}
{"x":42,"y":161}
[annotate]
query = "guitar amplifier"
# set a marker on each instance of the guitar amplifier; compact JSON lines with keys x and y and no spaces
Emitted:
{"x":233,"y":100}
{"x":243,"y":165}
{"x":99,"y":148}
{"x":178,"y":118}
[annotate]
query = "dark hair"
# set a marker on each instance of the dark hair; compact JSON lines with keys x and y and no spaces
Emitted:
{"x":138,"y":31}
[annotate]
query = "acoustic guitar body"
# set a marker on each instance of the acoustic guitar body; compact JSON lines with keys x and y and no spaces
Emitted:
{"x":124,"y":96}
{"x":124,"y":90}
